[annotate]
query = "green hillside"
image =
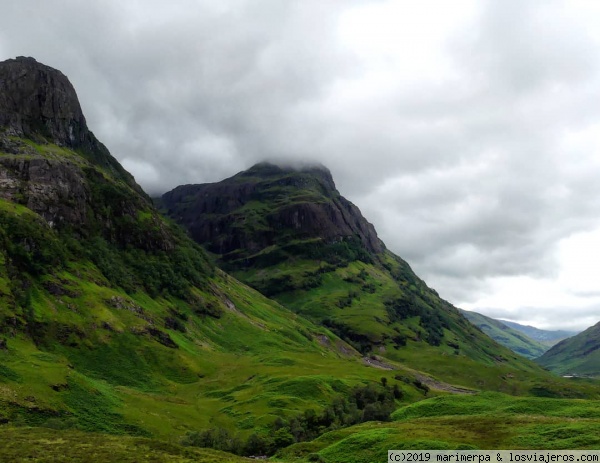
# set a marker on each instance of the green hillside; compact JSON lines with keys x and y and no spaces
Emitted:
{"x":116,"y":338}
{"x":290,"y":234}
{"x":111,"y":319}
{"x":578,"y":355}
{"x":484,"y":421}
{"x":505,"y":335}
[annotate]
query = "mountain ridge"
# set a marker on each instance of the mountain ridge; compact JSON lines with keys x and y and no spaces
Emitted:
{"x":368,"y":296}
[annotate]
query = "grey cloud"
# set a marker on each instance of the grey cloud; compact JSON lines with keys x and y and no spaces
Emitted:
{"x":549,"y":318}
{"x":525,"y":46}
{"x":197,"y":77}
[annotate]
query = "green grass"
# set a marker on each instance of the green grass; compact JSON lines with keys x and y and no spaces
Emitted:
{"x":240,"y":371}
{"x":494,"y":404}
{"x":477,"y":363}
{"x":484,"y":421}
{"x":47,"y":445}
{"x":106,"y":335}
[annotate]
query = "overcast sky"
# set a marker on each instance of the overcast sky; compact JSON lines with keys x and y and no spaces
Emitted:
{"x":468,"y":132}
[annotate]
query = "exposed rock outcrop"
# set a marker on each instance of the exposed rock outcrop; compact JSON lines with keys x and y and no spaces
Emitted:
{"x":39,"y":103}
{"x":53,"y":164}
{"x":55,"y":190}
{"x":36,"y":100}
{"x":268,"y":205}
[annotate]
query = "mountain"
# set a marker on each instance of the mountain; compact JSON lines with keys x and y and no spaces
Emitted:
{"x":505,"y":335}
{"x":252,"y":217}
{"x":578,"y":355}
{"x":111,"y":318}
{"x":288,"y":232}
{"x":39,"y":104}
{"x":545,"y":337}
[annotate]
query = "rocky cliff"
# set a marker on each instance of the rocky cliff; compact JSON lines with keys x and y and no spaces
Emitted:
{"x":266,"y":209}
{"x":39,"y":103}
{"x":53,"y":164}
{"x":36,"y":100}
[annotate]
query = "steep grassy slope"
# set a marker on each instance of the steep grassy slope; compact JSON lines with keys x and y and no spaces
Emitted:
{"x":508,"y":337}
{"x":110,"y":332}
{"x":578,"y":355}
{"x":115,"y":338}
{"x":289,"y":233}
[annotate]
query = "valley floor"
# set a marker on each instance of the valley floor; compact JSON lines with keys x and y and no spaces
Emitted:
{"x":20,"y":445}
{"x":480,"y":421}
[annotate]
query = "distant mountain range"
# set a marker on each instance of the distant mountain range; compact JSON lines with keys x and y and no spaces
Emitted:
{"x":546,"y":337}
{"x":506,"y":335}
{"x":564,"y":352}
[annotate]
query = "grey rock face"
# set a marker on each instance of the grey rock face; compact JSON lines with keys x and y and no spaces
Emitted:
{"x":36,"y":100}
{"x":297,"y":203}
{"x":39,"y":103}
{"x":55,"y":190}
{"x":51,"y":163}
